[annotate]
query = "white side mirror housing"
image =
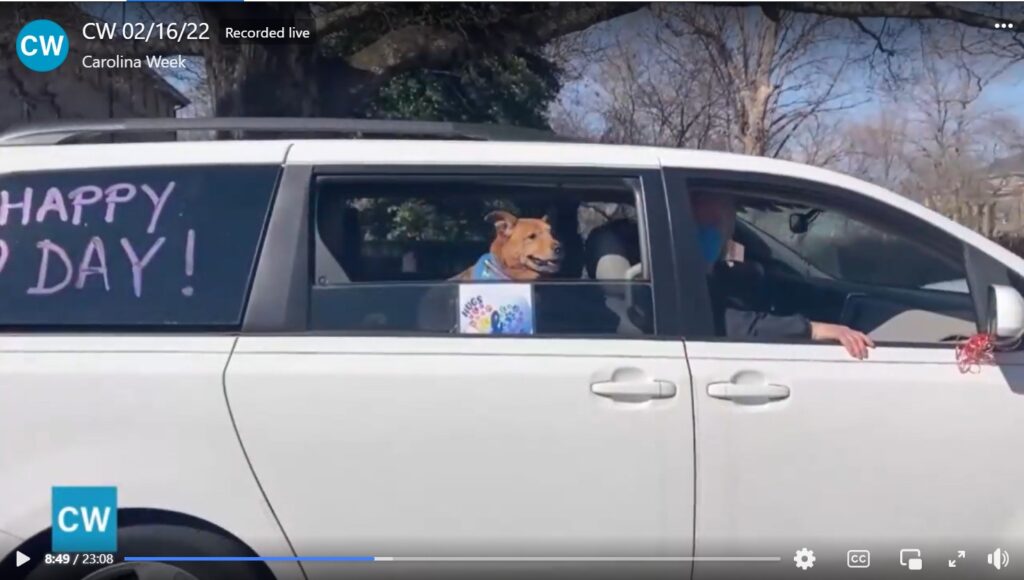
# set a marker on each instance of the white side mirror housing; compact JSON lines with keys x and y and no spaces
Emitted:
{"x":1005,"y":315}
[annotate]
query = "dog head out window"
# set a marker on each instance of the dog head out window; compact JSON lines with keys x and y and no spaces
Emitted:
{"x":569,"y":238}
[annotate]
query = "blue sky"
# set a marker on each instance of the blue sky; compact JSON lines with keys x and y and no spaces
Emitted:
{"x":1007,"y":92}
{"x":1004,"y":94}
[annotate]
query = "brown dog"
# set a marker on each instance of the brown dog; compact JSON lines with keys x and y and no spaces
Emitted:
{"x":523,"y":249}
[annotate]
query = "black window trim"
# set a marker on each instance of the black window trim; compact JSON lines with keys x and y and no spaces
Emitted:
{"x":279,"y":297}
{"x":280,"y":302}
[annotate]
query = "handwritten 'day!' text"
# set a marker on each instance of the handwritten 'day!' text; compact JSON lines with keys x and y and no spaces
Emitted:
{"x":89,"y":206}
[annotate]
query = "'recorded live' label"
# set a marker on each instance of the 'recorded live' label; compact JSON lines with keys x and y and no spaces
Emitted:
{"x":302,"y":31}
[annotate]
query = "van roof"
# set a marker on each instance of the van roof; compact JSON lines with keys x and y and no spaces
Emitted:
{"x":52,"y":146}
{"x":59,"y":132}
{"x":320,"y":140}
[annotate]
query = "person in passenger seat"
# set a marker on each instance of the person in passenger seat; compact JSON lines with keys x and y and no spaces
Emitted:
{"x":736,"y":315}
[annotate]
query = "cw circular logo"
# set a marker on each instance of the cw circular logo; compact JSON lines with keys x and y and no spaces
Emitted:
{"x":42,"y":45}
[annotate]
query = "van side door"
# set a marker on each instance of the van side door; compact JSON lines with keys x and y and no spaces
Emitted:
{"x":800,"y":445}
{"x":382,"y":420}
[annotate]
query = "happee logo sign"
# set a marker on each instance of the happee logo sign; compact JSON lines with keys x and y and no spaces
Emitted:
{"x":495,"y":308}
{"x":84,"y":519}
{"x":42,"y":45}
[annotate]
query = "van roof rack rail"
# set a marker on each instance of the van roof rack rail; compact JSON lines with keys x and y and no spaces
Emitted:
{"x":57,"y":132}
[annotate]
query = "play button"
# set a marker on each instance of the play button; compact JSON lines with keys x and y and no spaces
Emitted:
{"x":20,"y":559}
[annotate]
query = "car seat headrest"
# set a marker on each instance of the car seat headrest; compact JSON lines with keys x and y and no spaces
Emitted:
{"x":612,"y":249}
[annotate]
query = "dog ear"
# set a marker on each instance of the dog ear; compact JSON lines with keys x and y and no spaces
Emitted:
{"x":502,"y":220}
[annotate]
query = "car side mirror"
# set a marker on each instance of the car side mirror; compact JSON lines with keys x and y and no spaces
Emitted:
{"x":798,"y":223}
{"x":1005,"y":319}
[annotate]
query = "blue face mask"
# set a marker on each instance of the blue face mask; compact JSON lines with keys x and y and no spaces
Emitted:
{"x":710,"y":240}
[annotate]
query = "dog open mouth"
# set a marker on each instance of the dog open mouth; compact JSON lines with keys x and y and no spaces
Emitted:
{"x":541,"y":265}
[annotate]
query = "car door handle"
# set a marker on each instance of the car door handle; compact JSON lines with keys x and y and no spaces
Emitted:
{"x":634,"y":389}
{"x":734,"y":391}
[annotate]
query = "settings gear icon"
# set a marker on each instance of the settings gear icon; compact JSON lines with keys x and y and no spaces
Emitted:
{"x":804,"y":558}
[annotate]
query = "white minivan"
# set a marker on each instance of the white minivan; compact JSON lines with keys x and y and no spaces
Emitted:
{"x":263,"y":345}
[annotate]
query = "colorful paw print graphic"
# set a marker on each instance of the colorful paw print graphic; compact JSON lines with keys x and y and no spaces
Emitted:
{"x":509,"y":319}
{"x":486,"y":318}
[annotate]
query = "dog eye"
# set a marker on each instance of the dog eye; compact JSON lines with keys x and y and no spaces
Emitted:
{"x":531,"y":237}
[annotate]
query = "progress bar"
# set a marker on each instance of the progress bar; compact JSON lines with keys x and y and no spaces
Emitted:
{"x":452,"y":559}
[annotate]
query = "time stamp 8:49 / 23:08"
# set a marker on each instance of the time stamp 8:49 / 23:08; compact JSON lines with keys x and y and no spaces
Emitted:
{"x":76,"y":559}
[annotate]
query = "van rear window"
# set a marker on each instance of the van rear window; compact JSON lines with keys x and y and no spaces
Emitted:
{"x":134,"y":247}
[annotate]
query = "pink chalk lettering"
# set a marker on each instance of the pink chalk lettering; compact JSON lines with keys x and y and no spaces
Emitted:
{"x":118,"y":193}
{"x":158,"y":203}
{"x":86,"y":269}
{"x":137,"y":264}
{"x":190,"y":260}
{"x":190,"y":253}
{"x":49,"y":247}
{"x":25,"y":205}
{"x":5,"y":252}
{"x":79,"y":199}
{"x":54,"y":201}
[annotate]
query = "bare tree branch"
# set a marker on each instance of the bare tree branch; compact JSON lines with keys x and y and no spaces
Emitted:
{"x":426,"y":45}
{"x":341,"y":18}
{"x":879,"y":45}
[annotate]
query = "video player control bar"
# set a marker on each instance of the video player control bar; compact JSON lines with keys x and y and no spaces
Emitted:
{"x":453,"y":559}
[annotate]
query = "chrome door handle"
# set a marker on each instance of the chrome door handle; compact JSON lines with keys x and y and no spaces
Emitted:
{"x":634,"y":389}
{"x":738,"y":391}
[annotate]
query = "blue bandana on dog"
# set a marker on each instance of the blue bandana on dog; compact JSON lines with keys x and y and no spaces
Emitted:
{"x":487,"y":268}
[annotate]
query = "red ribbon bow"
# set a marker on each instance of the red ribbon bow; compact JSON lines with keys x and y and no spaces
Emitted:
{"x":974,"y":352}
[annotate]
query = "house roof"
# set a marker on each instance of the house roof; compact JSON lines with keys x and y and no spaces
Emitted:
{"x":1012,"y":165}
{"x":165,"y":87}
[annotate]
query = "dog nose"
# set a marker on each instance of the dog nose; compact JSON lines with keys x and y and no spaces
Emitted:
{"x":557,"y":248}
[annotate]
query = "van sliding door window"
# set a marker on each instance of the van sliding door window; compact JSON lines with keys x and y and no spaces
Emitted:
{"x":167,"y":247}
{"x":515,"y":255}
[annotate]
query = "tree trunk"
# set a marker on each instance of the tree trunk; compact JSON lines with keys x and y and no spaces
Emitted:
{"x":253,"y":79}
{"x":264,"y":80}
{"x":755,"y":130}
{"x":988,"y":219}
{"x":759,"y":90}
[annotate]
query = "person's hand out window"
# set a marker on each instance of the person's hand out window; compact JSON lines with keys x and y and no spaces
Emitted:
{"x":856,"y":343}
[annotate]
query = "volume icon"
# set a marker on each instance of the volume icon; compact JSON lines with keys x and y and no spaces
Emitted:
{"x":999,"y":559}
